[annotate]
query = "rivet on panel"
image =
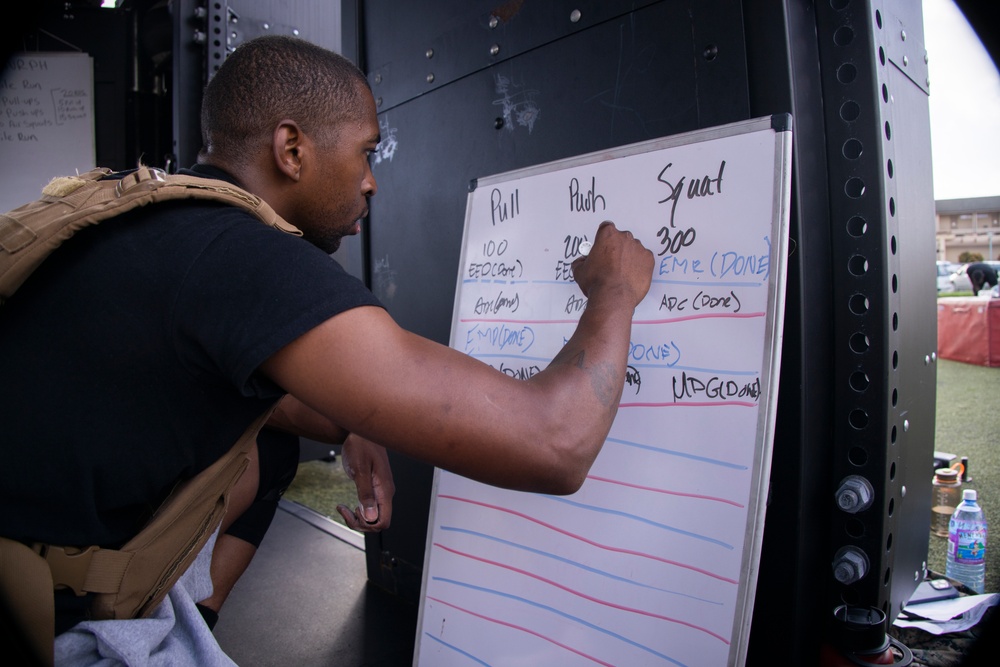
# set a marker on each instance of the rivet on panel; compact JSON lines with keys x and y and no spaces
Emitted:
{"x":574,"y":16}
{"x":906,"y":61}
{"x":495,"y":49}
{"x":902,"y":35}
{"x":429,"y":53}
{"x":906,"y":425}
{"x":266,"y":26}
{"x":430,"y":78}
{"x":378,"y":78}
{"x":494,"y":22}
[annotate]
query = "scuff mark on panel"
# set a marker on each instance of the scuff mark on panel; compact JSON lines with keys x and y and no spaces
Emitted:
{"x":386,"y":148}
{"x":518,"y":106}
{"x":384,"y":279}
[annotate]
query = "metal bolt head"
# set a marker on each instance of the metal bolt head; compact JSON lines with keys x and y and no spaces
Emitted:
{"x":855,"y":494}
{"x":850,"y":565}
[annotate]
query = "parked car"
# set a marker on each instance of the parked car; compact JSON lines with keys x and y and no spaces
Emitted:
{"x":944,"y":271}
{"x":960,"y":279}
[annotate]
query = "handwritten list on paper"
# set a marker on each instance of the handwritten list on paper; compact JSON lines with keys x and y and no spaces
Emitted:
{"x":46,"y":122}
{"x":648,"y":563}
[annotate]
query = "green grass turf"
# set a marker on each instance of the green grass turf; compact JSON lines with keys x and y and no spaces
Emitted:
{"x":321,"y":486}
{"x":968,"y":424}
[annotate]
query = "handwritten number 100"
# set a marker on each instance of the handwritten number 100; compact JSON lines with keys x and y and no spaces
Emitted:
{"x":680,"y":239}
{"x":491,"y":248}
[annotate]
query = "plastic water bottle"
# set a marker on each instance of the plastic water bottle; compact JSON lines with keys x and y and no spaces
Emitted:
{"x":967,"y":543}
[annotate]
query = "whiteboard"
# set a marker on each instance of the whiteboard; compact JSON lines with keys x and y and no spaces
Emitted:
{"x":654,"y":560}
{"x":46,"y":122}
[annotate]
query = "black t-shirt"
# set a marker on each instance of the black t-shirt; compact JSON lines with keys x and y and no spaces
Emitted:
{"x":129,"y":361}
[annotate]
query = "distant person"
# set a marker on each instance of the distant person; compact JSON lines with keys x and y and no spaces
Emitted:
{"x":982,"y":275}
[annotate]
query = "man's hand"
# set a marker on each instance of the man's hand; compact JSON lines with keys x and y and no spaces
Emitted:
{"x":617,"y":262}
{"x":367,"y":464}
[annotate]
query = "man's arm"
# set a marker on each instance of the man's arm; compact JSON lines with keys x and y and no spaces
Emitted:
{"x":365,"y":373}
{"x":293,"y":416}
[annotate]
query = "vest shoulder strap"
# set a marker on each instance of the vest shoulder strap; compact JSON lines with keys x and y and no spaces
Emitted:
{"x":30,"y":233}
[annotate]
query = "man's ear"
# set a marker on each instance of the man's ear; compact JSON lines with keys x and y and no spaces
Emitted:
{"x":288,"y":145}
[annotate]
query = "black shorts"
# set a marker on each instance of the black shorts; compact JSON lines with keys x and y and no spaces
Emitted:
{"x":278,"y":458}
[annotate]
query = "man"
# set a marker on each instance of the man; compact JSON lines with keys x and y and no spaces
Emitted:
{"x":981,"y":275}
{"x":139,"y":351}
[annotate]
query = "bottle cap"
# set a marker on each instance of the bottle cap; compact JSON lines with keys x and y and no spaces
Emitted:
{"x":947,"y":475}
{"x":969,"y":494}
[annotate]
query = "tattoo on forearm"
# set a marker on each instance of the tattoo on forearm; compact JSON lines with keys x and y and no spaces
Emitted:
{"x":606,"y":384}
{"x":604,"y":378}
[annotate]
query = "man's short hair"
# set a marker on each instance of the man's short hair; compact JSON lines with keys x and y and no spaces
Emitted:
{"x":268,"y":79}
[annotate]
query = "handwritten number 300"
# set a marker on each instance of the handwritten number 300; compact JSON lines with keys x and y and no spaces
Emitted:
{"x":680,"y":240}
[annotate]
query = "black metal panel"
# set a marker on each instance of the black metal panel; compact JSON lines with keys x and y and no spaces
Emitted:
{"x":431,"y":48}
{"x":187,"y":81}
{"x":665,"y":68}
{"x":859,"y":274}
{"x":228,"y":24}
{"x":882,"y":222}
{"x":784,"y":71}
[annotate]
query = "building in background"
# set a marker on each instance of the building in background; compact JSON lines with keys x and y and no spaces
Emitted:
{"x":967,"y":225}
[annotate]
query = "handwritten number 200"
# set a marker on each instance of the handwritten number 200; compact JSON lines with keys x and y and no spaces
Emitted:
{"x":572,"y":245}
{"x":680,"y":240}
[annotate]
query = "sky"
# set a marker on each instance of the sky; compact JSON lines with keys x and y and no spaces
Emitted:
{"x":964,"y":106}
